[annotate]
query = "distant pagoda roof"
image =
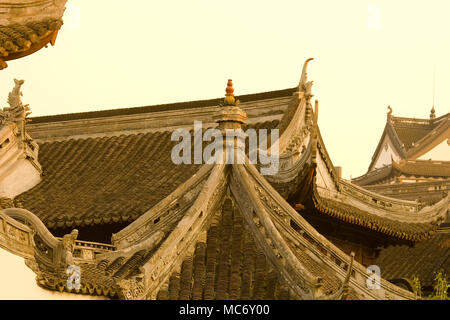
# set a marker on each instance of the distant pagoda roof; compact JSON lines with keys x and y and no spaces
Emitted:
{"x":411,"y":135}
{"x":407,"y":168}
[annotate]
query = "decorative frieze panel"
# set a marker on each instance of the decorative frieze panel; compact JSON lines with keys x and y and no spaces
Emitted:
{"x":299,"y":139}
{"x":377,"y":200}
{"x":15,"y":237}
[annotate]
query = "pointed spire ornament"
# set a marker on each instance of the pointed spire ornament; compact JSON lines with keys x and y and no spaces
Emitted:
{"x":230,"y":116}
{"x":230,"y":100}
{"x":432,"y":113}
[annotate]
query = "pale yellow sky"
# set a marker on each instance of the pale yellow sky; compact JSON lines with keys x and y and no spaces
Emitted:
{"x":368,"y":54}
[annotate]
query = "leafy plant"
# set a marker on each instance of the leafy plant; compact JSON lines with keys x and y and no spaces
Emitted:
{"x":440,"y":288}
{"x":417,"y":286}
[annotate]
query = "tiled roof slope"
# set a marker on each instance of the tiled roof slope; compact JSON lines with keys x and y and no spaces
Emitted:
{"x":6,"y":203}
{"x":411,"y":130}
{"x":409,"y":133}
{"x":231,"y":265}
{"x":106,"y":179}
{"x":424,"y":260}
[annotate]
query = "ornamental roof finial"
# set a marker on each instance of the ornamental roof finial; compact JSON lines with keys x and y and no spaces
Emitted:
{"x":229,"y":96}
{"x":432,"y":113}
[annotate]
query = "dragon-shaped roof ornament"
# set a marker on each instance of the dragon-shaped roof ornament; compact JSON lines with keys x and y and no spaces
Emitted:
{"x":17,"y":111}
{"x":304,"y":85}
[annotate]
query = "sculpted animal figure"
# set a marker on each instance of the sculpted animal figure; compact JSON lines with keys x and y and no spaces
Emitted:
{"x":16,"y":111}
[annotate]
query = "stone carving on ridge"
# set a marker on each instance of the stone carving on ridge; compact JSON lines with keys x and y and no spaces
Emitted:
{"x":17,"y":111}
{"x":19,"y":166}
{"x":297,"y":122}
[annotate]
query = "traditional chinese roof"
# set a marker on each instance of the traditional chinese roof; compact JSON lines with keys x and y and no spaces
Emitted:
{"x":102,"y":180}
{"x":339,"y":199}
{"x":236,"y":239}
{"x":389,"y":225}
{"x":410,"y":135}
{"x":105,"y":179}
{"x":6,"y":203}
{"x":407,"y":168}
{"x":192,"y":227}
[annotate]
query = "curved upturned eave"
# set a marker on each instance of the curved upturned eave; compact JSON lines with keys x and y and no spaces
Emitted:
{"x":27,"y":39}
{"x":372,"y":208}
{"x":282,"y":213}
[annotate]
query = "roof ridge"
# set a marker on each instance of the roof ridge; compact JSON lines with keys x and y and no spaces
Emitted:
{"x":160,"y":107}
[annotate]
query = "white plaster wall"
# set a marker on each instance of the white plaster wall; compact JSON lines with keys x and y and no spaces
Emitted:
{"x":323,"y":177}
{"x":17,"y":281}
{"x":440,"y":152}
{"x":23,"y":177}
{"x":384,"y":156}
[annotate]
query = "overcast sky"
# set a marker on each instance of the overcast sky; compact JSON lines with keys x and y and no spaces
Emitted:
{"x":368,"y":54}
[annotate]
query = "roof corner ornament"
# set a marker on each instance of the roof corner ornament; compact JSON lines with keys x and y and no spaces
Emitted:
{"x":68,"y":246}
{"x":389,"y":114}
{"x":17,"y":111}
{"x":304,"y":85}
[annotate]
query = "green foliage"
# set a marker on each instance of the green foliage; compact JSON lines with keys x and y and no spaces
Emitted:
{"x":440,"y":288}
{"x":417,"y":286}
